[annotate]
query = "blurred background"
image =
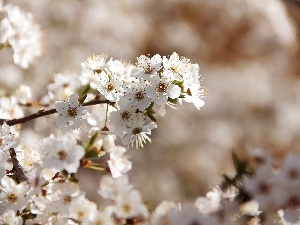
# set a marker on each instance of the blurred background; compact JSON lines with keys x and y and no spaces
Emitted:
{"x":248,"y":56}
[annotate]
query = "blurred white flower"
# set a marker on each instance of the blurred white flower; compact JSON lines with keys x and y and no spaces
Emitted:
{"x":62,"y":153}
{"x":12,"y":195}
{"x":160,"y":211}
{"x":19,"y":31}
{"x":97,"y":63}
{"x":110,"y":188}
{"x":210,"y":203}
{"x":64,"y":84}
{"x":261,"y":189}
{"x":185,"y":214}
{"x":83,"y":210}
{"x":7,"y":139}
{"x":24,"y":94}
{"x":10,"y":217}
{"x":9,"y":108}
{"x":118,"y":163}
{"x":129,"y":204}
{"x":105,"y":216}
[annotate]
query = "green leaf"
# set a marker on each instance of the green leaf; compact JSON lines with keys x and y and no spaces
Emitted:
{"x":177,"y":82}
{"x":83,"y":93}
{"x":174,"y":101}
{"x":91,"y":154}
{"x":93,"y":138}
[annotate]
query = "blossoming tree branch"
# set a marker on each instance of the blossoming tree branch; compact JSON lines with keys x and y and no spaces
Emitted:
{"x":82,"y":115}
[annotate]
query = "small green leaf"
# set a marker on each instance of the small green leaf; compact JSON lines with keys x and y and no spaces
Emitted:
{"x":91,"y":154}
{"x":174,"y":101}
{"x":94,"y":138}
{"x":83,"y":93}
{"x":177,"y":82}
{"x":82,"y":99}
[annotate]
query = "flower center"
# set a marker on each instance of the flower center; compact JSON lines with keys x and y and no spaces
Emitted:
{"x":99,"y":222}
{"x":80,"y":214}
{"x":136,"y":130}
{"x":67,"y":199}
{"x":12,"y":197}
{"x":263,"y":188}
{"x":65,"y":85}
{"x":161,"y":87}
{"x":126,"y":208}
{"x":72,"y":112}
{"x":110,"y":87}
{"x":62,"y":155}
{"x":125,"y":115}
{"x":293,"y":174}
{"x":293,"y":201}
{"x":139,"y":95}
{"x":148,"y":70}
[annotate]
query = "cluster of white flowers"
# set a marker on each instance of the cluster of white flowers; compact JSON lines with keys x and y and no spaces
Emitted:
{"x":108,"y":99}
{"x":18,"y":30}
{"x":138,"y":90}
{"x":112,"y":99}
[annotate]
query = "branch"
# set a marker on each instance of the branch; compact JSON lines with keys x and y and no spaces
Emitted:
{"x":16,"y":165}
{"x":42,"y":112}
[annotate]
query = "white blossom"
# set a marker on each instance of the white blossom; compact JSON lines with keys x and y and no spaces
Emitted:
{"x":110,"y":187}
{"x":62,"y":153}
{"x":147,"y":66}
{"x":97,"y":63}
{"x":162,"y":88}
{"x":83,"y":210}
{"x":12,"y":195}
{"x":64,"y":84}
{"x":9,"y":217}
{"x":70,"y":113}
{"x":24,"y":94}
{"x":135,"y":95}
{"x":19,"y":31}
{"x":118,"y":163}
{"x":110,"y":86}
{"x":137,"y":132}
{"x":129,"y":204}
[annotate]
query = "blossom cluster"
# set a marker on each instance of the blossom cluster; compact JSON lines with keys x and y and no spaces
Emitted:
{"x":18,"y":30}
{"x":79,"y":118}
{"x":142,"y":89}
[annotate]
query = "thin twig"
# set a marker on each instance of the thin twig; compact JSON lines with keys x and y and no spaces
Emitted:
{"x":16,"y":165}
{"x":42,"y":112}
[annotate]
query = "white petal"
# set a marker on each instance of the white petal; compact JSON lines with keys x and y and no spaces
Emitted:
{"x":61,"y":107}
{"x":73,"y":100}
{"x":174,"y":91}
{"x":151,"y":93}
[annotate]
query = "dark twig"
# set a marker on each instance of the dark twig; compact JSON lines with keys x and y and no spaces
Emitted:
{"x":42,"y":112}
{"x":16,"y":165}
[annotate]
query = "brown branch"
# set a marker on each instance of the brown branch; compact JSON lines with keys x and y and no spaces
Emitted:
{"x":42,"y":112}
{"x":16,"y":165}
